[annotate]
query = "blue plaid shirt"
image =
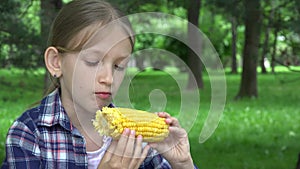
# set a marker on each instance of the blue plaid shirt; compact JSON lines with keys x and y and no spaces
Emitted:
{"x":43,"y":137}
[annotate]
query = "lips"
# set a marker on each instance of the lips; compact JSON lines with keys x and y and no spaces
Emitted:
{"x":103,"y":95}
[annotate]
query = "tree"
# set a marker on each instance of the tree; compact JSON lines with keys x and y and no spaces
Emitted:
{"x":194,"y":62}
{"x":234,"y":16}
{"x":283,"y":23}
{"x":233,"y":45}
{"x":248,"y":86}
{"x":49,"y":9}
{"x":19,"y":35}
{"x":267,"y":27}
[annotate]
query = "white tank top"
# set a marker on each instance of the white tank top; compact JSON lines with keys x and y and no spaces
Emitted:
{"x":95,"y":157}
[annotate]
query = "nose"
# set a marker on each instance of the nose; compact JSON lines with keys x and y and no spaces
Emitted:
{"x":105,"y":75}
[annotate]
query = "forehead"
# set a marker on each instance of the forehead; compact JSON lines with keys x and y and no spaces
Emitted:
{"x":108,"y":37}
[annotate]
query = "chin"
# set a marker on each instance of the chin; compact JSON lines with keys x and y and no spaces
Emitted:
{"x":103,"y":105}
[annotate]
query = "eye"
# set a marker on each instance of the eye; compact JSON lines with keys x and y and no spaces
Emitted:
{"x":119,"y":67}
{"x":91,"y":63}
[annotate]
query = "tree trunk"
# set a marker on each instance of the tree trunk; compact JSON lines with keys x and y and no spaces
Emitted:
{"x":274,"y":50}
{"x":298,"y":162}
{"x":49,"y":9}
{"x":266,"y":48}
{"x":265,"y":51}
{"x":233,"y":47}
{"x":248,"y":86}
{"x":193,"y":60}
{"x":139,"y":62}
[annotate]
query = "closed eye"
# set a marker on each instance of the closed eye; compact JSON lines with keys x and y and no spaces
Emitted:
{"x":119,"y":68}
{"x":91,"y":63}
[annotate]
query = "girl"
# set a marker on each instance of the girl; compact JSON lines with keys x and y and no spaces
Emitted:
{"x":89,"y":47}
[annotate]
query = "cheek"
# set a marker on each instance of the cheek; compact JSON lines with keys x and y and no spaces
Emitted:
{"x":82,"y":78}
{"x":118,"y":79}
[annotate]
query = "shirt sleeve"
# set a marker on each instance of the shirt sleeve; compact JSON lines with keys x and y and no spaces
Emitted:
{"x":22,"y":150}
{"x":155,"y":160}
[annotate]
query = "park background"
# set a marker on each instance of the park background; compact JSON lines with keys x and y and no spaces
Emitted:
{"x":258,"y":43}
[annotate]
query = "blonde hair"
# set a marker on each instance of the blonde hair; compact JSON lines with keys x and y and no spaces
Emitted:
{"x":79,"y":15}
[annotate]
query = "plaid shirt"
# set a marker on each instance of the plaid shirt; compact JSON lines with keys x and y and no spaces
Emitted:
{"x":43,"y":137}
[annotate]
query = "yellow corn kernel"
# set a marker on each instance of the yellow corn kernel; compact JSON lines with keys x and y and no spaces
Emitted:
{"x":112,"y":122}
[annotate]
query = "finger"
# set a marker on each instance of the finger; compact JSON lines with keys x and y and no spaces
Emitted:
{"x":163,"y":114}
{"x":144,"y":154}
{"x":138,"y":147}
{"x":129,"y":148}
{"x":136,"y":162}
{"x":172,"y":121}
{"x":137,"y":152}
{"x":120,"y":148}
{"x":109,"y":152}
{"x":168,"y":117}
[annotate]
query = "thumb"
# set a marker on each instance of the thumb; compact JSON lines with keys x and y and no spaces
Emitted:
{"x":177,"y":132}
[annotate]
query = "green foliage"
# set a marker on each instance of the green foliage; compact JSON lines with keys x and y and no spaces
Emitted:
{"x":253,"y":133}
{"x":19,"y":89}
{"x":282,"y":15}
{"x":19,"y":33}
{"x":217,"y":29}
{"x":20,"y":38}
{"x":148,"y":40}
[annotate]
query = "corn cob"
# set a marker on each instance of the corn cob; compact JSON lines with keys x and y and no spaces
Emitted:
{"x":112,"y":122}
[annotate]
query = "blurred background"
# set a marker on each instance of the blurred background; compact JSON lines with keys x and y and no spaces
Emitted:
{"x":258,"y":43}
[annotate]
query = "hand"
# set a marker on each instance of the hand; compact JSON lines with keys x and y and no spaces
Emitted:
{"x":127,"y":153}
{"x":175,"y":148}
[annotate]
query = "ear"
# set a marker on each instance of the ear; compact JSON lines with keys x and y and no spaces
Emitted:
{"x":53,"y":61}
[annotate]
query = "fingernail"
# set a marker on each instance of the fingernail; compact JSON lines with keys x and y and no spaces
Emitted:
{"x":126,"y":131}
{"x":168,"y":120}
{"x":132,"y":132}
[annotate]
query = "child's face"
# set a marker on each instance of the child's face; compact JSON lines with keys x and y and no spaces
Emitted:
{"x":92,"y":77}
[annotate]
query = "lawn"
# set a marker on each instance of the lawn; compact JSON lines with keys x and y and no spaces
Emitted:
{"x":258,"y":133}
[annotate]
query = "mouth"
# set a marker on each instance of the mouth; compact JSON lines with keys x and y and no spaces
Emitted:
{"x":103,"y":95}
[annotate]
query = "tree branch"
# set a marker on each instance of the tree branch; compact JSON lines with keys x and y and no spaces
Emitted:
{"x":26,"y":9}
{"x":287,"y":66}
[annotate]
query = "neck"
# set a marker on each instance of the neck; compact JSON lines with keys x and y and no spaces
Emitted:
{"x":83,"y":122}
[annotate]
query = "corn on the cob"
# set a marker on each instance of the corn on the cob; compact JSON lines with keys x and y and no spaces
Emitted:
{"x":112,"y":122}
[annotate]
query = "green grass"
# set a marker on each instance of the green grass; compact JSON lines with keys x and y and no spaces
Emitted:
{"x":19,"y":89}
{"x":261,"y":133}
{"x":258,"y":133}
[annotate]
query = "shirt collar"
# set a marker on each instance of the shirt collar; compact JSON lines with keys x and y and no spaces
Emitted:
{"x":53,"y":113}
